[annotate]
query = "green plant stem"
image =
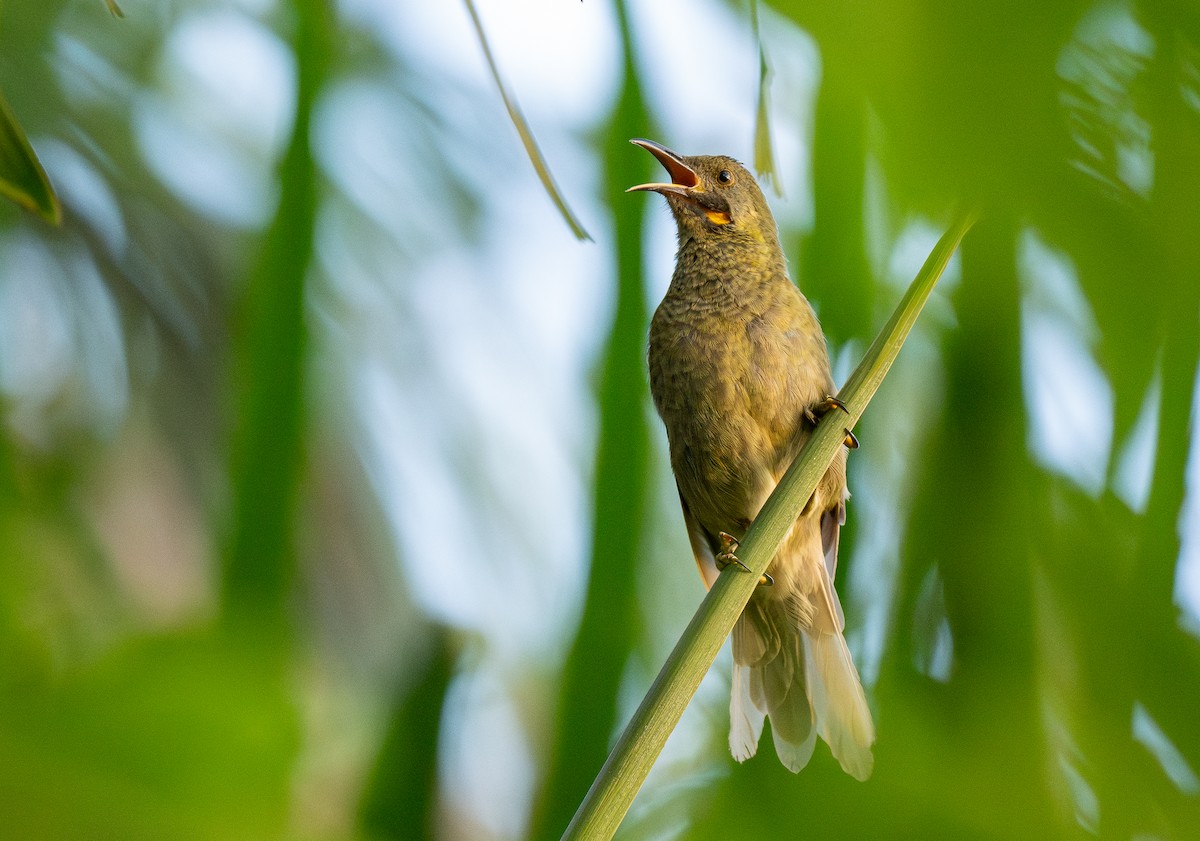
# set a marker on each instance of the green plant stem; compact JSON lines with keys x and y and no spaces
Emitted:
{"x":612,"y":793}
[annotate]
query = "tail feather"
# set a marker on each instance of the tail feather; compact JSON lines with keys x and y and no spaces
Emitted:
{"x":756,"y":637}
{"x":792,"y":723}
{"x":776,"y":688}
{"x":745,"y":717}
{"x":838,"y":703}
{"x":805,"y":682}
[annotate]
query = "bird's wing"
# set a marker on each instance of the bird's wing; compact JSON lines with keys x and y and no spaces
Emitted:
{"x":701,"y":546}
{"x":832,"y":521}
{"x":831,"y":526}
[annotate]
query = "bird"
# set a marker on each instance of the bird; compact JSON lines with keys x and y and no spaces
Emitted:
{"x":740,"y":374}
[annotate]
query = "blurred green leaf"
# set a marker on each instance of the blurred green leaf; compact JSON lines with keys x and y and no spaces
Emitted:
{"x":268,"y":450}
{"x":176,"y":737}
{"x":978,"y":506}
{"x":22,"y":178}
{"x":983,"y":74}
{"x":401,"y":798}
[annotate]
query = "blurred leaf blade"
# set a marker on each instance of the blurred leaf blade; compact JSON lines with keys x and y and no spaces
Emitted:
{"x":990,"y":612}
{"x":268,"y":449}
{"x":22,"y":179}
{"x":401,"y":796}
{"x":1169,"y":681}
{"x":764,"y":149}
{"x":526,"y":133}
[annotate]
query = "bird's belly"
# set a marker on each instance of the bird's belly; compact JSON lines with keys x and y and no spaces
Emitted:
{"x":733,"y":409}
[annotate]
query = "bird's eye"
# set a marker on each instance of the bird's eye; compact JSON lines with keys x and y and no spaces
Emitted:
{"x":725,"y":177}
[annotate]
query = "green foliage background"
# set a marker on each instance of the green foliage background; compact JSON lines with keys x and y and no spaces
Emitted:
{"x":295,"y":689}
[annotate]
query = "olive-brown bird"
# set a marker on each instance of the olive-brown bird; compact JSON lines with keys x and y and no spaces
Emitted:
{"x":739,"y":372}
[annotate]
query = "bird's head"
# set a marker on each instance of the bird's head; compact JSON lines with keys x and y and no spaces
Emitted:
{"x":711,"y":195}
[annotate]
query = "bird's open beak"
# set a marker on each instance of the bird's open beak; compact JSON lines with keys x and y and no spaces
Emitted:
{"x":685,"y":184}
{"x":683,"y":178}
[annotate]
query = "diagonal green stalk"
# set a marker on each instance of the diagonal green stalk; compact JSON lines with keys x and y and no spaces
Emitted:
{"x":613,"y":791}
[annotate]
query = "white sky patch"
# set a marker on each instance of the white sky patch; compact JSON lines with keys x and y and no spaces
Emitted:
{"x":567,"y":69}
{"x":480,"y":477}
{"x":422,"y":520}
{"x":35,"y":331}
{"x":1101,"y":65}
{"x":934,"y":655}
{"x":716,"y":116}
{"x":1135,"y":465}
{"x":224,"y":104}
{"x":1187,"y":572}
{"x":62,"y":348}
{"x":504,"y":336}
{"x":362,"y":142}
{"x":86,"y":192}
{"x":1083,"y":796}
{"x":1068,"y":398}
{"x":558,"y":59}
{"x":908,"y":253}
{"x":1147,"y":731}
{"x":485,"y":765}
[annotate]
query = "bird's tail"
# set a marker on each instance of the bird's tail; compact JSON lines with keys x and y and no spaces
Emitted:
{"x":805,"y":682}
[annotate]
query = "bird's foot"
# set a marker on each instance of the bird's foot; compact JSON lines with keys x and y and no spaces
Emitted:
{"x":831,"y":402}
{"x":823,"y":408}
{"x":726,"y":557}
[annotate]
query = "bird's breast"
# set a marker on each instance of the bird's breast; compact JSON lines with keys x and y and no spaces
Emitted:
{"x":731,"y":384}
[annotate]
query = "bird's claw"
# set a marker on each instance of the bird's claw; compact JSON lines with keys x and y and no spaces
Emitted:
{"x":830,"y":403}
{"x":726,"y":557}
